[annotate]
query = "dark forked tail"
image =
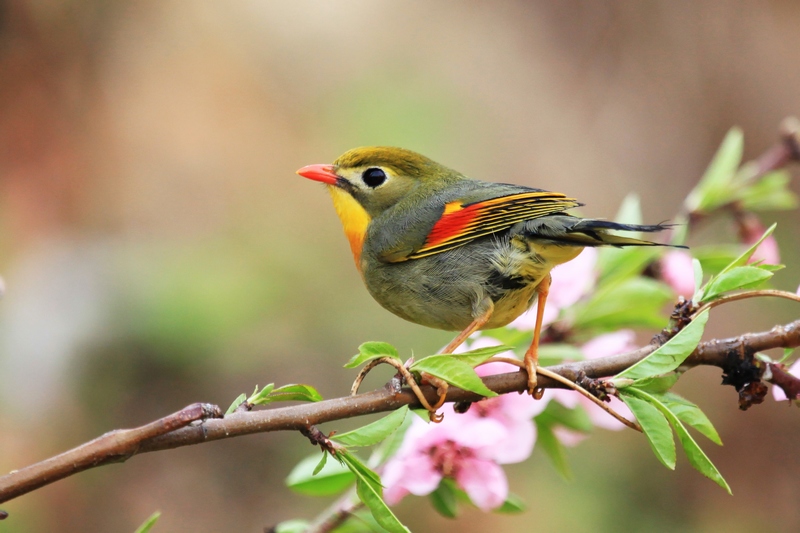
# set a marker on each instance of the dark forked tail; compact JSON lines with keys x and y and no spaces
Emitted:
{"x":591,"y":232}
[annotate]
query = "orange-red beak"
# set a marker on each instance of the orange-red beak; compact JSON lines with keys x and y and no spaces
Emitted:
{"x":323,"y":173}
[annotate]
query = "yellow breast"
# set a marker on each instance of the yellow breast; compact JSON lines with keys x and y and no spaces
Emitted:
{"x":354,"y":220}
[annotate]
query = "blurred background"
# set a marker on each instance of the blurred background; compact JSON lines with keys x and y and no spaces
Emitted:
{"x":158,"y":248}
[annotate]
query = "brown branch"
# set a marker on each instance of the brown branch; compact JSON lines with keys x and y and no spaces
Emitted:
{"x":113,"y":447}
{"x":786,"y":381}
{"x":176,"y":430}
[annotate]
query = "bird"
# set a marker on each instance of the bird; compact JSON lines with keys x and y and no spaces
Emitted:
{"x":449,"y":252}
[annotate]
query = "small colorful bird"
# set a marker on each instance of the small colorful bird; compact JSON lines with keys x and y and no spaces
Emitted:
{"x":449,"y":252}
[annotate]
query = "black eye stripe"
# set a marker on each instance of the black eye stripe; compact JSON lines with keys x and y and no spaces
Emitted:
{"x":373,"y":177}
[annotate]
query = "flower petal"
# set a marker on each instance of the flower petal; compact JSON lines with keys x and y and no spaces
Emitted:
{"x":485,"y":483}
{"x":412,"y":474}
{"x":476,"y":433}
{"x":610,"y":344}
{"x":517,"y":447}
{"x":677,"y":270}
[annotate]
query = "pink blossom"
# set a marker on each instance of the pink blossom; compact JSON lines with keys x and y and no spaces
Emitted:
{"x":678,"y":272}
{"x":750,"y":231}
{"x":602,"y":346}
{"x":571,"y":282}
{"x":468,"y":447}
{"x":514,"y":411}
{"x":777,"y":392}
{"x":610,"y":344}
{"x":767,"y":252}
{"x":455,"y":449}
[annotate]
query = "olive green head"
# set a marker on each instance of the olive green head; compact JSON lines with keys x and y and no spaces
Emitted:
{"x":378,"y":177}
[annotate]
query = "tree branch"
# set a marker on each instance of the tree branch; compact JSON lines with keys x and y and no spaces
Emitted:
{"x":178,"y":430}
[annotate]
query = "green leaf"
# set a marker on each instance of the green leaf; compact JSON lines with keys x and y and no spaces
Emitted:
{"x":477,"y":356}
{"x":671,"y":354}
{"x":552,"y":447}
{"x":454,"y":372}
{"x":557,"y":352}
{"x":787,"y":352}
{"x":392,"y":443}
{"x":620,"y":263}
{"x":739,"y":261}
{"x":372,"y":350}
{"x":374,"y":432}
{"x":509,"y":336}
{"x":557,"y":414}
{"x":294,"y":392}
{"x":630,"y":211}
{"x":369,"y":490}
{"x":633,"y":302}
{"x":292,"y":526}
{"x":714,"y":258}
{"x":655,"y":427}
{"x":236,"y":403}
{"x":422,"y":414}
{"x":443,"y":499}
{"x":769,"y":268}
{"x":689,"y":414}
{"x":360,"y":521}
{"x":769,"y":192}
{"x":306,"y":478}
{"x":616,"y":264}
{"x":149,"y":523}
{"x":737,"y":278}
{"x":747,"y":254}
{"x":513,"y":505}
{"x":714,"y":188}
{"x":698,"y":275}
{"x":260,"y":397}
{"x":697,"y":458}
{"x":321,"y":464}
{"x":657,"y":384}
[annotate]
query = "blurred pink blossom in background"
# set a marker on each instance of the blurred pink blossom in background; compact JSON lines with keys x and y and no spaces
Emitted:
{"x":571,"y":282}
{"x":750,"y":232}
{"x":794,"y":370}
{"x":677,"y":271}
{"x":602,"y":346}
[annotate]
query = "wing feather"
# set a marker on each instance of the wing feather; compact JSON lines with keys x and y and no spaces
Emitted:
{"x":461,"y":223}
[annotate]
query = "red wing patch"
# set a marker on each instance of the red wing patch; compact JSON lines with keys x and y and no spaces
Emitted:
{"x":461,"y":223}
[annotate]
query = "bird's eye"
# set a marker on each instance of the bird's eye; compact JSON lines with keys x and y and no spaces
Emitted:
{"x":374,"y":177}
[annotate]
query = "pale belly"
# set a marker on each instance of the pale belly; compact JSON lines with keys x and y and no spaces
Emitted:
{"x":449,"y":290}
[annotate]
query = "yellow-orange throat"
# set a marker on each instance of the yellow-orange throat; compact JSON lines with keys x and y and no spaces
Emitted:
{"x":354,"y":219}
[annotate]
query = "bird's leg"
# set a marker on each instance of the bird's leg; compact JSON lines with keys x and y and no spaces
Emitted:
{"x":475,"y":325}
{"x":532,"y":355}
{"x":487,"y":307}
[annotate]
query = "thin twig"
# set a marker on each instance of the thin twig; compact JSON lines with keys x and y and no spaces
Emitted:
{"x":409,"y":379}
{"x":337,"y":514}
{"x":745,"y":295}
{"x":571,"y":385}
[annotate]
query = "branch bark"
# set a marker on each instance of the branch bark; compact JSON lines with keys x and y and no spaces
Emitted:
{"x":181,"y":428}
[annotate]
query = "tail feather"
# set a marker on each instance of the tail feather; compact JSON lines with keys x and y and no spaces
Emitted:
{"x":595,"y":233}
{"x":575,"y":231}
